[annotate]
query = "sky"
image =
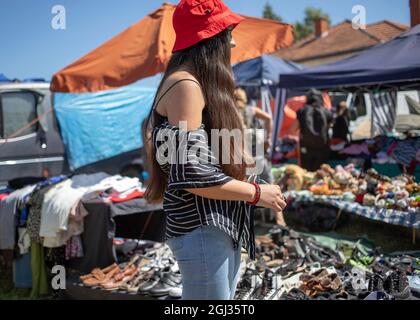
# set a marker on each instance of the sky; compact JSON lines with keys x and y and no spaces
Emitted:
{"x":30,"y":47}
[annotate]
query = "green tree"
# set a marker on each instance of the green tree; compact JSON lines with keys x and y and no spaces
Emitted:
{"x":268,"y":13}
{"x":306,"y":28}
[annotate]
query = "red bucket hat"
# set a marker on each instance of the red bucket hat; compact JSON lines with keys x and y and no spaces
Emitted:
{"x":196,"y":20}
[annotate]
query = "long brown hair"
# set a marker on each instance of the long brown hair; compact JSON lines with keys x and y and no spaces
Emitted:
{"x":209,"y":62}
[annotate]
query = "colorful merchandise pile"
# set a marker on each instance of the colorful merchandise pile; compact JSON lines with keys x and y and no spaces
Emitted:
{"x":392,"y":200}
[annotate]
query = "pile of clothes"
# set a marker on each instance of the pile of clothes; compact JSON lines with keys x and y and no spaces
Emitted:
{"x":403,"y":149}
{"x":46,"y":219}
{"x":293,"y":266}
{"x":51,"y":212}
{"x":153,"y":272}
{"x":350,"y":184}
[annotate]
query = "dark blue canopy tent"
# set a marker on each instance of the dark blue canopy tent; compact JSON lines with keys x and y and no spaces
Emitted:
{"x":395,"y":63}
{"x":264,"y":70}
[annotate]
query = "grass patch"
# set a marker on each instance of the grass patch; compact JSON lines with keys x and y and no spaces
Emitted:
{"x":7,"y":289}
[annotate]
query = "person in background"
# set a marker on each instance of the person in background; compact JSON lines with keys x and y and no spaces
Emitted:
{"x":314,"y":121}
{"x":249,"y":115}
{"x":341,"y":123}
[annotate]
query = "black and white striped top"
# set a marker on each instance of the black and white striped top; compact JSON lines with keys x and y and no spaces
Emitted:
{"x":186,"y":211}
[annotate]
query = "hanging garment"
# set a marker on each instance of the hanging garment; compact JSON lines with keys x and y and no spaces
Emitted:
{"x":384,"y":106}
{"x":8,"y":210}
{"x":34,"y":217}
{"x":405,"y":151}
{"x":40,"y":285}
{"x":58,"y":203}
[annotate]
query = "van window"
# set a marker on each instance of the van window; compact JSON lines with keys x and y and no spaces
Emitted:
{"x":17,"y":110}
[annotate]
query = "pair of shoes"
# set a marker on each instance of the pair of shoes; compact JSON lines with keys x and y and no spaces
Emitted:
{"x":168,"y":282}
{"x":120,"y":279}
{"x":98,"y":276}
{"x":396,"y":284}
{"x":160,"y":283}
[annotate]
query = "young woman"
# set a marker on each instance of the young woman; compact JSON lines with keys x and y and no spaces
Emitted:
{"x":207,"y":205}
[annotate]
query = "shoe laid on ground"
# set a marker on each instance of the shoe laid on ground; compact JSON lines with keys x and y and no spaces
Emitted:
{"x":269,"y":288}
{"x":176,"y":293}
{"x":376,"y":282}
{"x":168,"y":281}
{"x":396,"y":284}
{"x":146,"y":286}
{"x":294,"y":294}
{"x":250,"y":281}
{"x":97,"y":280}
{"x":355,"y":285}
{"x":134,"y":285}
{"x":292,"y":267}
{"x":414,"y":283}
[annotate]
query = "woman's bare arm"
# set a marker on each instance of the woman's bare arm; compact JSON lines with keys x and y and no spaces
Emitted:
{"x":259,"y":114}
{"x":233,"y":190}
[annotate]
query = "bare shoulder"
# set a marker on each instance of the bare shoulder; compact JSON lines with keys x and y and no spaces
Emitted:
{"x":186,"y":83}
{"x":184,"y":101}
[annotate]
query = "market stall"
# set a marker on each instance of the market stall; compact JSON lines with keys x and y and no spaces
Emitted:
{"x":106,"y":259}
{"x":371,"y":195}
{"x":366,"y":73}
{"x":72,"y":221}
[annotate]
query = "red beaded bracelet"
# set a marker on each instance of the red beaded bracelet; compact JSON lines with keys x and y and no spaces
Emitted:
{"x":257,"y":194}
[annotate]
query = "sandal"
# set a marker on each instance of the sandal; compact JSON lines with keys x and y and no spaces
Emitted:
{"x":94,"y":281}
{"x":98,"y":272}
{"x":134,"y":286}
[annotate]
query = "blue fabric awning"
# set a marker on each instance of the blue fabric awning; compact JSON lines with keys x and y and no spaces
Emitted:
{"x":101,"y":125}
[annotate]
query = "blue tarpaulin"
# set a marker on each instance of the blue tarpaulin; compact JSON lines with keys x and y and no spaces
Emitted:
{"x":396,"y":61}
{"x":264,"y":70}
{"x":3,"y":78}
{"x":97,"y":126}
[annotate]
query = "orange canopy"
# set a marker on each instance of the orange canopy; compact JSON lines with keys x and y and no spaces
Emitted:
{"x":144,"y":49}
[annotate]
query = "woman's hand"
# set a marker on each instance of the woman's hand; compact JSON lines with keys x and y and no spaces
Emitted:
{"x":271,"y":197}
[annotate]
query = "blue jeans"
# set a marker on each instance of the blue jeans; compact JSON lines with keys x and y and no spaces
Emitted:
{"x":208,"y":262}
